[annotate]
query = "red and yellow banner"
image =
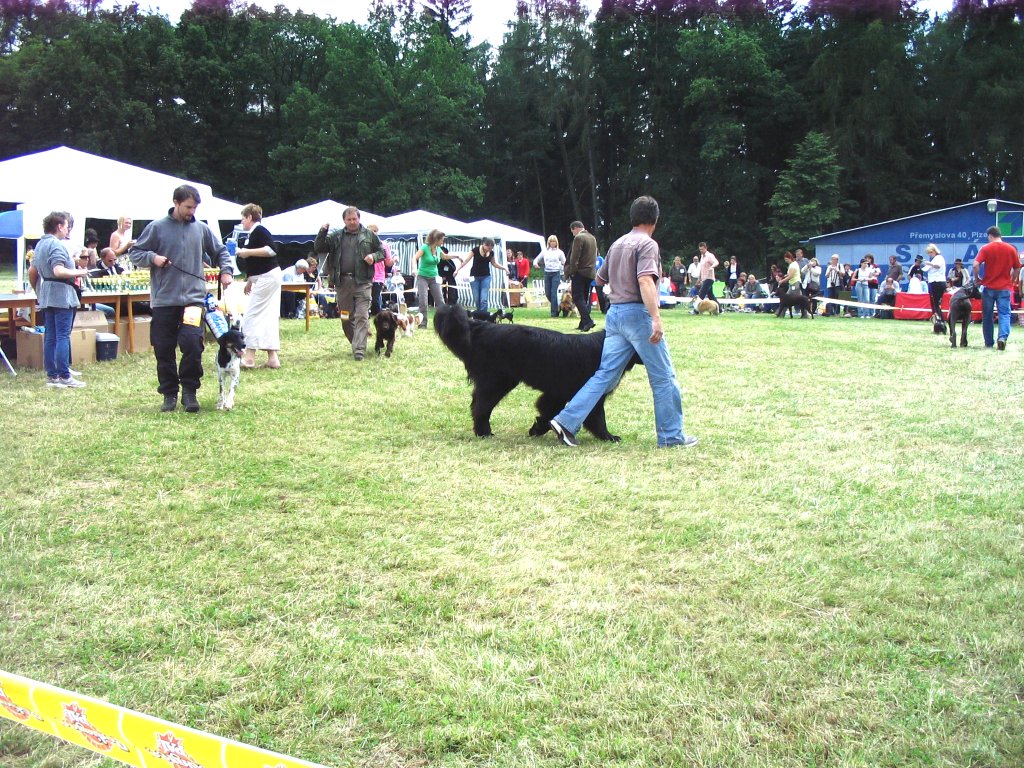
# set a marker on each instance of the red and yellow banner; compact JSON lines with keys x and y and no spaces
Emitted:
{"x":121,"y":734}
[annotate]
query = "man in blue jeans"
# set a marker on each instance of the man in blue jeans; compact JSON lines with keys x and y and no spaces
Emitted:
{"x":632,"y":269}
{"x":1001,"y":267}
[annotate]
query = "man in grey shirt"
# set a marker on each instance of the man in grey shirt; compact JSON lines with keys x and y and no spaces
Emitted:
{"x":632,"y":270}
{"x":173,"y":248}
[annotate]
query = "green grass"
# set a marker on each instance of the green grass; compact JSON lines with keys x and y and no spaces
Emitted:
{"x":338,"y":570}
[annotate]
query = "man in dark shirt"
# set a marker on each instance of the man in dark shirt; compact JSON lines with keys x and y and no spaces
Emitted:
{"x":581,"y":270}
{"x":351,"y":252}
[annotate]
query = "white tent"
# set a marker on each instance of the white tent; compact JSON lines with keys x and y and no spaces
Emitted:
{"x":407,"y":231}
{"x":420,"y":222}
{"x":65,"y":179}
{"x":507,"y":233}
{"x":302,"y":224}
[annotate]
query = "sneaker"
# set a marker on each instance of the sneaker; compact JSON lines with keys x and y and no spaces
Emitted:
{"x":567,"y":437}
{"x":688,"y":442}
{"x":189,"y":400}
{"x":53,"y":381}
{"x":170,"y":403}
{"x":69,"y":383}
{"x":1001,"y":344}
{"x":73,"y":372}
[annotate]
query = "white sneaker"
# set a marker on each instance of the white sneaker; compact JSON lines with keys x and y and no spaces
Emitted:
{"x":73,"y":372}
{"x":69,"y":383}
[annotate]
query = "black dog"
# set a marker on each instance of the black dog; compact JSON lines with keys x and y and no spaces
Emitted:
{"x":960,"y":312}
{"x":500,"y":357}
{"x":385,"y":324}
{"x":789,"y":300}
{"x":492,"y":317}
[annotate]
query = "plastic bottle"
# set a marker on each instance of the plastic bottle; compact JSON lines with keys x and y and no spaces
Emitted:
{"x":215,"y":319}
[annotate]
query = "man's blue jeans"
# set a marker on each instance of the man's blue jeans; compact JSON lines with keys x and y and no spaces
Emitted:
{"x":57,"y":341}
{"x":1001,"y":301}
{"x":480,"y":287}
{"x":628,"y":329}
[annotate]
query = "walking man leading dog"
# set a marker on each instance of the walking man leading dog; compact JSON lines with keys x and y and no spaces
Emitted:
{"x":173,"y":248}
{"x":632,"y":270}
{"x":1001,"y":268}
{"x":351,"y":250}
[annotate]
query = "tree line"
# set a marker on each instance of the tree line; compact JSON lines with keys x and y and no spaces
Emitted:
{"x":756,"y":123}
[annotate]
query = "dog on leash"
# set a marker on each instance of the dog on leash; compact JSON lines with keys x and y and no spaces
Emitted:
{"x":385,"y":325}
{"x":229,"y":366}
{"x":492,"y":317}
{"x":406,"y":322}
{"x":498,"y":358}
{"x":794,"y":300}
{"x":565,"y":307}
{"x":707,"y":307}
{"x":960,"y":312}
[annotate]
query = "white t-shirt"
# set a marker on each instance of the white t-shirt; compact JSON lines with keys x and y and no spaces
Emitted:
{"x":935,"y":269}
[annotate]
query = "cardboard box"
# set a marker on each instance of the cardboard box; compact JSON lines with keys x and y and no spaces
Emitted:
{"x":515,"y":296}
{"x":142,"y":326}
{"x":83,"y":345}
{"x":90,"y":319}
{"x":30,"y":349}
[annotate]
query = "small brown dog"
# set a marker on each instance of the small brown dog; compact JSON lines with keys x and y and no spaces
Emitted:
{"x":707,"y":307}
{"x":566,"y":307}
{"x":385,"y":323}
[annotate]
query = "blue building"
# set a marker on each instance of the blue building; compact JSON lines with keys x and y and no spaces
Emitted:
{"x":959,"y":232}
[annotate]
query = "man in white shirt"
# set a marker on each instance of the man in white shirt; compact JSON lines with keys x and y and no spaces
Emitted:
{"x":694,"y":272}
{"x":293,"y":274}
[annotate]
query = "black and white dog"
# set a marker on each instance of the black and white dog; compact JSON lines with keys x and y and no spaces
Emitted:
{"x":229,"y":359}
{"x":960,"y":312}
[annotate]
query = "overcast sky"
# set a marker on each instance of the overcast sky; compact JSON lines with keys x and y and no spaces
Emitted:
{"x":490,"y":17}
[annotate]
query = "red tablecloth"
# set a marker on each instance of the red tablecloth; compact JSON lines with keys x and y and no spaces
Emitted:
{"x":908,"y":306}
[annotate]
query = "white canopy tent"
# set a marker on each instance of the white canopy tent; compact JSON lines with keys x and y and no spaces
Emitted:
{"x":302,"y":224}
{"x":86,"y":185}
{"x":405,"y":232}
{"x":509,"y":234}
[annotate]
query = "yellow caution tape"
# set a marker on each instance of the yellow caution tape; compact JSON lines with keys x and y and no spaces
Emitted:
{"x":124,"y":735}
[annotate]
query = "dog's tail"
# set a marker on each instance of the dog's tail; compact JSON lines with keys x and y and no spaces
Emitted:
{"x":452,"y":326}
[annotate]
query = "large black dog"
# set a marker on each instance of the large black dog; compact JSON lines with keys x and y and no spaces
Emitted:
{"x":960,"y":312}
{"x":500,"y":357}
{"x":794,"y":299}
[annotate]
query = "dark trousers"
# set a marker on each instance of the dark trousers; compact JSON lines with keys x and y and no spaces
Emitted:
{"x":707,"y":292}
{"x":581,"y":298}
{"x":167,"y":332}
{"x":375,"y":302}
{"x":935,"y":291}
{"x":449,"y":291}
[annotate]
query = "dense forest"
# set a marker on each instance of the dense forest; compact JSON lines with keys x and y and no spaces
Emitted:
{"x":754,"y":122}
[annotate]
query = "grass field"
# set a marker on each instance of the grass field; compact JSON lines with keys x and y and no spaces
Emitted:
{"x":338,"y":570}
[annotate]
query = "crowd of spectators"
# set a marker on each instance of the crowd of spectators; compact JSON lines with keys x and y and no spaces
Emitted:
{"x":865,"y":282}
